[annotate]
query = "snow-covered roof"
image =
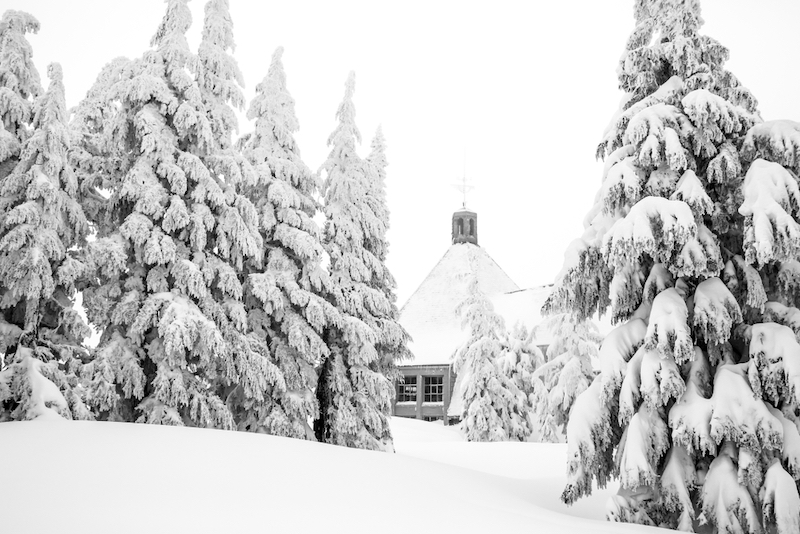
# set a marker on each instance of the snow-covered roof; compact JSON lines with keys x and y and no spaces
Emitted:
{"x":523,"y":307}
{"x":429,"y":315}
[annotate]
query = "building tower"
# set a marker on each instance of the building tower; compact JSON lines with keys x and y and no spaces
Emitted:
{"x":465,"y":226}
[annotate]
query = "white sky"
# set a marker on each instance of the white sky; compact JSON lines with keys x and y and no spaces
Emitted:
{"x":523,"y":88}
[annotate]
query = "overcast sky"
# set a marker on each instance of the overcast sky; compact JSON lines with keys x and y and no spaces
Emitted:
{"x":516,"y":92}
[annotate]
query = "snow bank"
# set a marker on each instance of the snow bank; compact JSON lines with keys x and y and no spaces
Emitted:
{"x":86,"y":477}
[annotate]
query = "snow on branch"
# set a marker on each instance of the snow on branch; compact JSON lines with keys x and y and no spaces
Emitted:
{"x":791,"y":442}
{"x":777,"y":141}
{"x":582,"y":286}
{"x":661,"y":380}
{"x":678,"y":478}
{"x":726,"y":165}
{"x":655,"y":131}
{"x":789,"y":280}
{"x":775,"y":363}
{"x":699,"y":256}
{"x":785,"y":315}
{"x":690,"y":417}
{"x":739,"y":416}
{"x":589,"y":448}
{"x":771,"y":198}
{"x":643,"y":443}
{"x":715,"y":117}
{"x":617,"y":349}
{"x":625,"y":291}
{"x":727,"y":504}
{"x":622,"y":186}
{"x":756,"y":295}
{"x":781,"y":501}
{"x":669,"y":94}
{"x":691,"y":191}
{"x":658,"y":280}
{"x":654,"y":226}
{"x":715,"y":311}
{"x":668,"y":330}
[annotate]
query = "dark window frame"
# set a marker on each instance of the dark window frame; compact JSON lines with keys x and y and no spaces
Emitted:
{"x":407,"y":390}
{"x":433,"y":389}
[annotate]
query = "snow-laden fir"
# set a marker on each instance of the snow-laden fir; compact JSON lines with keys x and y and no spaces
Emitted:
{"x":354,"y":391}
{"x":494,"y":406}
{"x":205,"y":271}
{"x":692,"y":244}
{"x":286,"y":294}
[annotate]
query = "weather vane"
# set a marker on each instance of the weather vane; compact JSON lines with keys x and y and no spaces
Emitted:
{"x":464,"y":186}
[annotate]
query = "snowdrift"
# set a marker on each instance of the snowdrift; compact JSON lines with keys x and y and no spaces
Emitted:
{"x":90,"y":477}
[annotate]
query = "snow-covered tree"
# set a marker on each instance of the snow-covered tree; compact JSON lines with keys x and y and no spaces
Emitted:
{"x":354,"y":396}
{"x":95,"y":157}
{"x":392,"y":346}
{"x":285,"y":293}
{"x":493,"y":407}
{"x":172,"y":240}
{"x":41,"y":225}
{"x":693,"y":243}
{"x":567,"y":373}
{"x":19,"y":86}
{"x":520,"y":360}
{"x":220,"y":81}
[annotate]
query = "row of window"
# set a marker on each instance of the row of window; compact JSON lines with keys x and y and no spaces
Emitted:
{"x":433,"y":389}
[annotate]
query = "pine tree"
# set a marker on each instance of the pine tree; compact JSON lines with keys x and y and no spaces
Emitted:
{"x":285,"y":299}
{"x":174,"y":236}
{"x":19,"y":86}
{"x":354,"y":396}
{"x":567,"y":373}
{"x":494,"y":408}
{"x":519,"y":363}
{"x":220,"y":82}
{"x":41,"y":225}
{"x":393,"y":344}
{"x":693,"y":242}
{"x":95,"y":157}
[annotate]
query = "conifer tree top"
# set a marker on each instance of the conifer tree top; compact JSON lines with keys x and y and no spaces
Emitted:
{"x":172,"y":30}
{"x":17,"y":71}
{"x":218,"y":71}
{"x":19,"y":80}
{"x":346,"y":134}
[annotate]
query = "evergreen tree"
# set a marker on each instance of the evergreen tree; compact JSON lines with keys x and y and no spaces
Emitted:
{"x":393,"y":345}
{"x":494,"y":408}
{"x":95,"y":157}
{"x":173,"y":237}
{"x":519,"y":363}
{"x":41,"y":225}
{"x":285,"y":299}
{"x":220,"y":82}
{"x":693,"y":242}
{"x":19,"y":86}
{"x":567,"y":373}
{"x":354,"y":396}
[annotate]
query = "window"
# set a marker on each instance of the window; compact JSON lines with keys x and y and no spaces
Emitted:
{"x":472,"y":227}
{"x":407,"y":390}
{"x":460,"y":226}
{"x":434,"y":389}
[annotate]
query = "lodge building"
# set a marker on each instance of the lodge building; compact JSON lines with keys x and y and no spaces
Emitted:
{"x":429,"y":389}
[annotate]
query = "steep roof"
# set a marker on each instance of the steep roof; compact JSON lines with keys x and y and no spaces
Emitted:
{"x":429,"y":315}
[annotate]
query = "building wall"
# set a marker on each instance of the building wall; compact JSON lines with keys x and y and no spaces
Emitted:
{"x":418,"y":408}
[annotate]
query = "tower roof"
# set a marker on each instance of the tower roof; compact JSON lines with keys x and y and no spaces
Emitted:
{"x":429,"y":315}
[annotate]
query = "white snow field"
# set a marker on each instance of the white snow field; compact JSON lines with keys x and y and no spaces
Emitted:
{"x":77,"y":477}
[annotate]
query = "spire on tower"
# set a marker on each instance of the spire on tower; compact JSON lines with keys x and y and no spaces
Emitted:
{"x":464,"y":186}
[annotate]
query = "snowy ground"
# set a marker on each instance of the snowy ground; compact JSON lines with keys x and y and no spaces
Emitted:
{"x":82,"y":477}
